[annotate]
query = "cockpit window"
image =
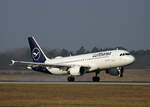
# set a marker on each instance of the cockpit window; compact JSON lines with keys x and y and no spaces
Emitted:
{"x":127,"y":54}
{"x":123,"y":54}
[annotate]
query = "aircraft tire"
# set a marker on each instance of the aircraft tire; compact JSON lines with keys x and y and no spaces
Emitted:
{"x":96,"y":79}
{"x":71,"y":79}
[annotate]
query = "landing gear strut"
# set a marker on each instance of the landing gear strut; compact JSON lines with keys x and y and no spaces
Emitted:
{"x":120,"y":69}
{"x":96,"y":78}
{"x":71,"y":79}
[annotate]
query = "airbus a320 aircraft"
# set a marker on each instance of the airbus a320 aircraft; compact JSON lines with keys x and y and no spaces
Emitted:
{"x":112,"y":62}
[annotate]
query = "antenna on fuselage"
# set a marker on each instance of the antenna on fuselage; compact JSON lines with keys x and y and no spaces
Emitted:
{"x":117,"y":49}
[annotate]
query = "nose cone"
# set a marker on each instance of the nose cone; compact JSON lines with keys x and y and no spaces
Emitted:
{"x":132,"y":59}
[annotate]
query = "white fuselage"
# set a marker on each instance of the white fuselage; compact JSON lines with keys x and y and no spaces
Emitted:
{"x":95,"y":61}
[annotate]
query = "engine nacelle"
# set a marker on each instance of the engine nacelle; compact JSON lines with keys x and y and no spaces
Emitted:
{"x":115,"y":71}
{"x":77,"y":70}
{"x":112,"y":71}
{"x":57,"y":71}
{"x":29,"y":67}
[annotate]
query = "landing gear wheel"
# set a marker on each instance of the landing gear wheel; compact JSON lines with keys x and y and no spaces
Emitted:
{"x":71,"y":79}
{"x":96,"y":79}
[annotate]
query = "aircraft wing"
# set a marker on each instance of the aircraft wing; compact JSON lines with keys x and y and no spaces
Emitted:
{"x":34,"y":64}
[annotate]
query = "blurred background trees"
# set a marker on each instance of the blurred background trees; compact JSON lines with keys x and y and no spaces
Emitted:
{"x":142,"y":56}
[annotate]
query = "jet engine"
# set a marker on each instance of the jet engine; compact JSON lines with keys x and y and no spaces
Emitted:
{"x":115,"y":71}
{"x":77,"y":70}
{"x":29,"y":67}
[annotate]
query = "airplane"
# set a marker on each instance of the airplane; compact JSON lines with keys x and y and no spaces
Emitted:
{"x":112,"y":62}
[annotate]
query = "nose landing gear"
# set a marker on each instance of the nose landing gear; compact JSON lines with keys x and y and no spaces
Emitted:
{"x":120,"y":70}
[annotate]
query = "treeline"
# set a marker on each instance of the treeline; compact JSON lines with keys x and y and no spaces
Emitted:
{"x":64,"y":52}
{"x":24,"y":54}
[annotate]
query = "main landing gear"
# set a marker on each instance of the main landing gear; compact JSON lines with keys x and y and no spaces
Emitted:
{"x":71,"y":79}
{"x":96,"y":78}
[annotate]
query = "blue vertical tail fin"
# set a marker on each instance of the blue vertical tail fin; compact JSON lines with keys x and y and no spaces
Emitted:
{"x":36,"y":52}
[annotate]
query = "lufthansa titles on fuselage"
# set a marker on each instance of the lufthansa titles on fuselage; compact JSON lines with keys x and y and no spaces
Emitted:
{"x":102,"y":54}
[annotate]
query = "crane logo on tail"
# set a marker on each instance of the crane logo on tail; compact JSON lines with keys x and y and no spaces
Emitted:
{"x":36,"y":54}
